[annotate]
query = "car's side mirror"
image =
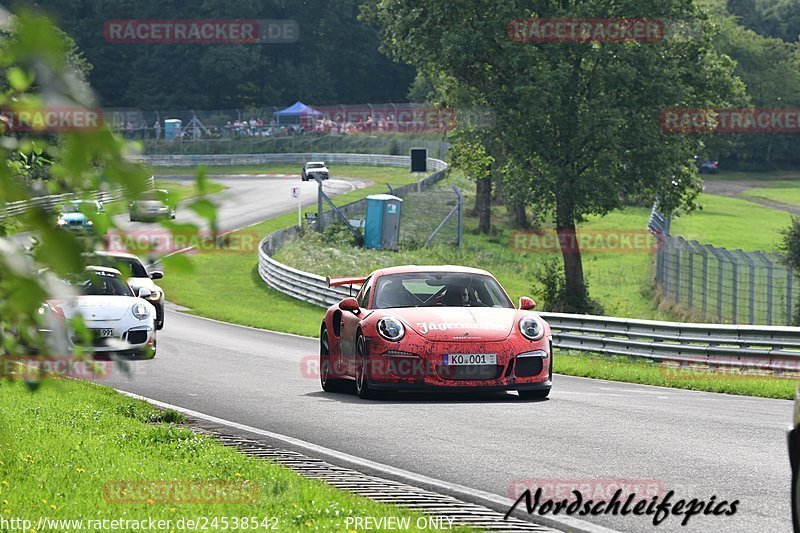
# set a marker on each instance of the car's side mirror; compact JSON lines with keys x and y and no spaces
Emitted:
{"x":144,"y":292}
{"x":349,"y":304}
{"x":526,"y":304}
{"x":157,"y":274}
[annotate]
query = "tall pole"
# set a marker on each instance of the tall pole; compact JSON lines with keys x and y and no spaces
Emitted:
{"x":319,"y":203}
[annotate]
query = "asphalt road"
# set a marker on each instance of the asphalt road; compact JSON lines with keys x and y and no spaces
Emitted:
{"x":698,"y":444}
{"x":246,"y":201}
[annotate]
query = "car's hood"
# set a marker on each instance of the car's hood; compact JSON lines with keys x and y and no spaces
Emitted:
{"x":150,"y":204}
{"x":442,"y":324}
{"x":316,"y":169}
{"x":99,"y":307}
{"x":139,"y":283}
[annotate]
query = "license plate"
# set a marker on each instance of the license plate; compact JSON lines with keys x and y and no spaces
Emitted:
{"x":103,"y":333}
{"x":469,"y":359}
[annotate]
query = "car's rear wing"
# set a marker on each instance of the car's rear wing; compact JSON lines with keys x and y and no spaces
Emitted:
{"x":339,"y":281}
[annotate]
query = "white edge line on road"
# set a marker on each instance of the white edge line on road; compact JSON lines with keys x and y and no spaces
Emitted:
{"x":493,"y":501}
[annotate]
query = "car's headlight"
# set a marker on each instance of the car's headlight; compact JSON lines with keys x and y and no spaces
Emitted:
{"x":391,"y":329}
{"x":531,"y":327}
{"x":140,"y":311}
{"x":89,"y":223}
{"x":154,"y":296}
{"x":61,"y":222}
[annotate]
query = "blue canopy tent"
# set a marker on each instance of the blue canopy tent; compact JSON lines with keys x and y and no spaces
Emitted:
{"x":296,"y":111}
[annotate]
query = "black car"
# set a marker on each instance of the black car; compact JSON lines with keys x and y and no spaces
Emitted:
{"x":706,"y":166}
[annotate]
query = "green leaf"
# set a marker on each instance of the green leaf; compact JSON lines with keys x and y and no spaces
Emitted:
{"x":18,"y":79}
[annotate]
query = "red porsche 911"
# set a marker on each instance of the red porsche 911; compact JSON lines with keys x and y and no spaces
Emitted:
{"x":434,"y":328}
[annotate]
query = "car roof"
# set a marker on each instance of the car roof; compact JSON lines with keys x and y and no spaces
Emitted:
{"x":123,"y":255}
{"x":107,"y":270}
{"x":315,"y":163}
{"x":410,"y":269}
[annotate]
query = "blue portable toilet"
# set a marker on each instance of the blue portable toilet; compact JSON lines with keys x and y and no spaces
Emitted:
{"x":382,"y":224}
{"x":172,"y":128}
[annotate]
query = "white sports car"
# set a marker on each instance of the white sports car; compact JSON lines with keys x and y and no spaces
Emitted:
{"x":118,"y":322}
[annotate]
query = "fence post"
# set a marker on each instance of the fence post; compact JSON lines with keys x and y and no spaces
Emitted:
{"x":678,"y":270}
{"x":751,"y":266}
{"x":789,"y":279}
{"x":690,"y":295}
{"x":735,"y":286}
{"x":720,"y":274}
{"x":460,"y":216}
{"x":770,"y":282}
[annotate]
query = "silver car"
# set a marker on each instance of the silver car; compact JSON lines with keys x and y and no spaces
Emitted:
{"x":152,"y":205}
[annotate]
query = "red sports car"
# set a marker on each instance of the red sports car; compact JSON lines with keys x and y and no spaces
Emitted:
{"x":434,"y":328}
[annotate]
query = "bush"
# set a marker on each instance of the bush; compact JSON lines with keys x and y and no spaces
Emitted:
{"x":338,"y":234}
{"x":551,"y":284}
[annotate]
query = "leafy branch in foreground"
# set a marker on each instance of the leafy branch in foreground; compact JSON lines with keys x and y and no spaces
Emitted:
{"x":41,"y":71}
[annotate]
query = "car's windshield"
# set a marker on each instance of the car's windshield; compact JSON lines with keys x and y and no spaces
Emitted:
{"x":78,"y":207}
{"x":100,"y":283}
{"x":156,"y":195}
{"x":439,"y":289}
{"x":130,"y":267}
{"x":315,"y":165}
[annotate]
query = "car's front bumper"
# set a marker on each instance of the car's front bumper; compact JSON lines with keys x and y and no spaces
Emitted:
{"x":431,"y":387}
{"x":126,"y":339}
{"x":515,"y":369}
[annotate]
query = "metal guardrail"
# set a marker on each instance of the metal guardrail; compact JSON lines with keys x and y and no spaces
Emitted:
{"x":299,"y":158}
{"x":11,"y":209}
{"x":768,"y":348}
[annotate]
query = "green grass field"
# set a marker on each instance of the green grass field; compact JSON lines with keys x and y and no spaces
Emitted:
{"x":782,"y":192}
{"x":67,"y":449}
{"x":775,"y":175}
{"x":733,"y":223}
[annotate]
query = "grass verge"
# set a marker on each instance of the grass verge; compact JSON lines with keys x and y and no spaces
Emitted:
{"x":625,"y":369}
{"x":781,"y":192}
{"x":64,"y":448}
{"x":733,"y":223}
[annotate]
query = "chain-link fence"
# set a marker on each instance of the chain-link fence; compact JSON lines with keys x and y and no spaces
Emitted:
{"x":725,"y":285}
{"x":429,"y":215}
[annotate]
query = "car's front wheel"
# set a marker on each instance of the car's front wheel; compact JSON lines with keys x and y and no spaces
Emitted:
{"x":534,"y":394}
{"x":329,"y":384}
{"x":363,"y":388}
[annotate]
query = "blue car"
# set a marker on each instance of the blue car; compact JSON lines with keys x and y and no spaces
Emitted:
{"x":74,"y":216}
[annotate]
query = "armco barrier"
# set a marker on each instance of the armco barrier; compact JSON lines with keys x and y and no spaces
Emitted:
{"x":299,"y":158}
{"x":49,"y":202}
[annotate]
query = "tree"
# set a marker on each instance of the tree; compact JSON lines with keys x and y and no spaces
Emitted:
{"x":334,"y":61}
{"x":580,"y":122}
